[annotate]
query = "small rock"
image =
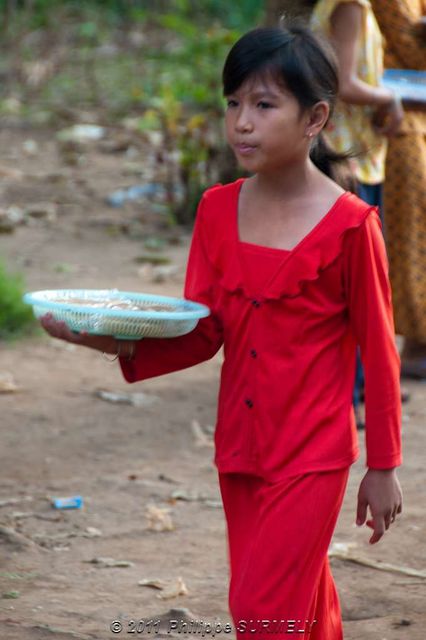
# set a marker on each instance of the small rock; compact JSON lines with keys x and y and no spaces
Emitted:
{"x":138,"y":399}
{"x":153,"y":259}
{"x":187,"y":496}
{"x":92,"y":532}
{"x":16,"y":215}
{"x":81,"y":133}
{"x":30,"y":147}
{"x":16,"y":540}
{"x":118,"y":144}
{"x":402,"y":623}
{"x":154,"y":583}
{"x":10,"y":501}
{"x":7,"y":384}
{"x":10,"y":219}
{"x":110,"y":563}
{"x":42,"y":211}
{"x":213,"y":504}
{"x":164,"y":478}
{"x":162,"y":274}
{"x":7,"y":172}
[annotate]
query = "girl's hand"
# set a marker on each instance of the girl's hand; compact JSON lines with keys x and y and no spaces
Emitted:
{"x":58,"y":329}
{"x":381,"y":492}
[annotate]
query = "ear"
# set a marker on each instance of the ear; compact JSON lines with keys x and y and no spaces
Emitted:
{"x":317,"y":118}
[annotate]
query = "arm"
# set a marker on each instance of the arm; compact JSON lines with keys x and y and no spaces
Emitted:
{"x":401,"y":25}
{"x":154,"y":357}
{"x":371,"y":318}
{"x":141,"y":359}
{"x":346,"y":25}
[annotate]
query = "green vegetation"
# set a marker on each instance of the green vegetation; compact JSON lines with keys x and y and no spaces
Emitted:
{"x":156,"y":62}
{"x":16,"y":318}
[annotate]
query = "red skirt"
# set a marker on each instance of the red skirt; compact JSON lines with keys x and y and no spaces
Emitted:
{"x":278,"y":536}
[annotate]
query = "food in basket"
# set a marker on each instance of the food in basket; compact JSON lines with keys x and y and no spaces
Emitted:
{"x":127,"y":305}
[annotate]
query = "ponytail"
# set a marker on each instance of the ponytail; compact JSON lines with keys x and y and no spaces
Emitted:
{"x":335,"y":165}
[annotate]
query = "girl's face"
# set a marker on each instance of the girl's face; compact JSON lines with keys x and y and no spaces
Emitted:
{"x":266,"y":127}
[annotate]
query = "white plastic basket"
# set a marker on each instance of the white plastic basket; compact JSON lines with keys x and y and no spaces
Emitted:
{"x":122,"y":314}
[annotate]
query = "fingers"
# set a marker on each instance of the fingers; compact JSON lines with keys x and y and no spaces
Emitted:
{"x":388,"y":121}
{"x":389,"y":519}
{"x":380,"y":524}
{"x":58,"y":329}
{"x":379,"y":493}
{"x":390,"y":129}
{"x":379,"y":527}
{"x":361,"y":512}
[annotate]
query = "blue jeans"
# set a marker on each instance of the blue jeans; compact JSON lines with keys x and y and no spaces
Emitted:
{"x":372,"y":194}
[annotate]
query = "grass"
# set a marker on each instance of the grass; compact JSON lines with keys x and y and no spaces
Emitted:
{"x":16,"y":318}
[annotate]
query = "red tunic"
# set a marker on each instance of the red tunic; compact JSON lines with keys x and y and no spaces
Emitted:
{"x":285,"y":401}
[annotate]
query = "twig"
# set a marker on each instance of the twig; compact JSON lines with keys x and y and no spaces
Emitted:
{"x":374,"y":564}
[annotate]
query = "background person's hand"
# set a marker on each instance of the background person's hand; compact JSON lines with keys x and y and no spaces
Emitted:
{"x":379,"y":491}
{"x":420,"y":29}
{"x":388,"y":118}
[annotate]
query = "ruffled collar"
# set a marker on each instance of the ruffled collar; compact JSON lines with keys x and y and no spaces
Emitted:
{"x":317,"y":251}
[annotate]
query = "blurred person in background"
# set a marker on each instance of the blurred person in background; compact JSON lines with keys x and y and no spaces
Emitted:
{"x":367,"y":113}
{"x":405,"y":188}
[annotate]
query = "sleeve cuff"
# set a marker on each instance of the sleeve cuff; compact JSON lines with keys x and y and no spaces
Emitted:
{"x":384,"y":462}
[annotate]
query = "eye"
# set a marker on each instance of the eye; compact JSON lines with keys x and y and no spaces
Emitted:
{"x":264,"y":105}
{"x":231,"y":102}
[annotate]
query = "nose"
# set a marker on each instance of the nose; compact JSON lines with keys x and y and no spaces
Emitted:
{"x":243,"y":121}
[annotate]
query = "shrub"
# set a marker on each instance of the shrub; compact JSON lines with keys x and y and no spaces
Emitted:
{"x":15,"y":316}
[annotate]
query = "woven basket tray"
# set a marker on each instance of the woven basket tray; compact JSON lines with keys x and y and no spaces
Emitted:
{"x":122,"y":314}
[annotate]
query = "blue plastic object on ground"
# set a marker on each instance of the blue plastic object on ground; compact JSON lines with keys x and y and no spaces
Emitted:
{"x":71,"y":502}
{"x":137,"y":192}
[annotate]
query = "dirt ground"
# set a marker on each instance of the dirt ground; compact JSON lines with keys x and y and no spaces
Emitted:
{"x":58,"y":438}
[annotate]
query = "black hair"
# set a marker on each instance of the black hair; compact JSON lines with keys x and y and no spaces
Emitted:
{"x":298,"y":59}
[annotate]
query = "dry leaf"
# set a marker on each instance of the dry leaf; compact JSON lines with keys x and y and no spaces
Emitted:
{"x":201,"y":438}
{"x":177,"y":589}
{"x":159,"y":518}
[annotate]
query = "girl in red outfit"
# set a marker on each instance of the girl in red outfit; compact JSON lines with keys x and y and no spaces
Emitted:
{"x":294,"y":271}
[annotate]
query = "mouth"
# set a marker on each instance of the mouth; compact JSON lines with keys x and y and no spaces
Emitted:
{"x":244,"y":149}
